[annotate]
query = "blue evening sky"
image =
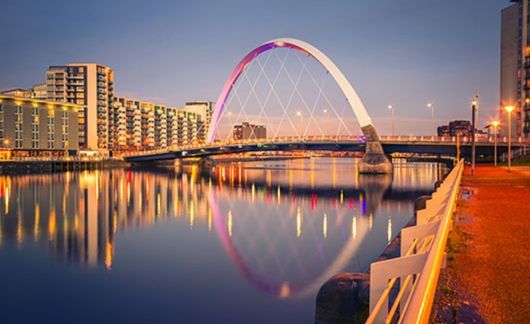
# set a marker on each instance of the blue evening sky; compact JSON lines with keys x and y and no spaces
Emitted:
{"x":403,"y":52}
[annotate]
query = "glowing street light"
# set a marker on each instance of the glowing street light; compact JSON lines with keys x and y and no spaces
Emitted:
{"x":430,"y":105}
{"x":495,"y":124}
{"x":474,"y":108}
{"x":391,"y":108}
{"x":509,"y":110}
{"x":299,"y":114}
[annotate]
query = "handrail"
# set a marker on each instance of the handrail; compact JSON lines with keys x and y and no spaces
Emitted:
{"x":419,"y":310}
{"x":419,"y":271}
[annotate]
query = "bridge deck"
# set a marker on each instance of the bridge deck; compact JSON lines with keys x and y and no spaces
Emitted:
{"x":420,"y":145}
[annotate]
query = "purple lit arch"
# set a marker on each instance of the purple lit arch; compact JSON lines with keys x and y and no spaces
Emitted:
{"x":355,"y":102}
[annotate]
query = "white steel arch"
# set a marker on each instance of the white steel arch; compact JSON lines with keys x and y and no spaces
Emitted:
{"x":355,"y":102}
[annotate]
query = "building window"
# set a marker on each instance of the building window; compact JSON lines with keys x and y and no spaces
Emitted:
{"x":65,"y":129}
{"x":51,"y":129}
{"x":35,"y":128}
{"x":18,"y":127}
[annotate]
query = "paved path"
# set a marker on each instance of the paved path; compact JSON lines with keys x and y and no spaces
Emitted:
{"x":491,"y":267}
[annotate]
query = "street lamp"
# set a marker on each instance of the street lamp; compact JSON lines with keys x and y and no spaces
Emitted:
{"x":391,"y":108}
{"x":431,"y":106}
{"x":509,"y":110}
{"x":474,"y":108}
{"x":495,"y":124}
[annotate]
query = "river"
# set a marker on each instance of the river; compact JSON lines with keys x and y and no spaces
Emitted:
{"x":244,"y":242}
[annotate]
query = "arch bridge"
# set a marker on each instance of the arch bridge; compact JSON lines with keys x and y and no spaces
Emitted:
{"x":374,"y":159}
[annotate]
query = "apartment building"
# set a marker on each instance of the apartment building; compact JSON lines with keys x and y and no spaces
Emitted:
{"x":38,"y":92}
{"x":246,"y":131}
{"x":141,"y":125}
{"x":204,"y":109}
{"x":515,"y":68}
{"x":30,"y":127}
{"x":92,"y":86}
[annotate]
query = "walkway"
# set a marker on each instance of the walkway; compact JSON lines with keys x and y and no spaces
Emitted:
{"x":488,"y":252}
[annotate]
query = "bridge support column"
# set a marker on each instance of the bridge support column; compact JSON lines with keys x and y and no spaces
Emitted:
{"x":374,"y":160}
{"x":206,"y":163}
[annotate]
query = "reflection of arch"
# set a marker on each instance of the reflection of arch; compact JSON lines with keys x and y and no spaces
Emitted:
{"x":298,"y":45}
{"x":284,"y":290}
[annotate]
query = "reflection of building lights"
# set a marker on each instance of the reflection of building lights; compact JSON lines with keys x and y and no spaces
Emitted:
{"x":354,"y":226}
{"x":19,"y":226}
{"x":325,"y":225}
{"x":209,"y":219}
{"x":109,"y":251}
{"x":279,"y":195}
{"x":158,"y":205}
{"x":51,"y":224}
{"x":298,"y":222}
{"x":128,"y":194}
{"x":192,"y":215}
{"x":36,"y":223}
{"x":6,"y":209}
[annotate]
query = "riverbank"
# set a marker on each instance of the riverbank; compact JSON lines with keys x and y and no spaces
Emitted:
{"x":486,"y":279}
{"x":42,"y":166}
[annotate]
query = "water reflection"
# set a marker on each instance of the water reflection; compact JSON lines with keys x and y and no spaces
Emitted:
{"x":287,"y":226}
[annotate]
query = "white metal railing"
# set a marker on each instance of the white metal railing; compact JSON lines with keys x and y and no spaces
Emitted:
{"x":516,"y":152}
{"x":422,"y":257}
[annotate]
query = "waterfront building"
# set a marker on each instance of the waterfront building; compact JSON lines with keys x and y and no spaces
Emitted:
{"x":205,"y":110}
{"x":141,"y":125}
{"x":39,"y":91}
{"x":92,"y":86}
{"x":515,"y":68}
{"x":30,"y":127}
{"x":17,"y":92}
{"x":443,"y":130}
{"x":249,"y":131}
{"x":461,"y":127}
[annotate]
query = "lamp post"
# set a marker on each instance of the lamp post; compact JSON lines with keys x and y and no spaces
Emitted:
{"x":495,"y":124}
{"x":391,"y":108}
{"x":474,"y":107}
{"x":509,"y":110}
{"x":431,"y":106}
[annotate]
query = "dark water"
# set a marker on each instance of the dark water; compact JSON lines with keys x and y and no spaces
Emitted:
{"x":245,"y":243}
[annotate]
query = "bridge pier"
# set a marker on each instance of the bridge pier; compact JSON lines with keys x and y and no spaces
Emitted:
{"x":206,"y":163}
{"x":374,"y":160}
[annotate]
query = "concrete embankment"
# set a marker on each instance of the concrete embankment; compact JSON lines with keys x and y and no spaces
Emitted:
{"x":24,"y":167}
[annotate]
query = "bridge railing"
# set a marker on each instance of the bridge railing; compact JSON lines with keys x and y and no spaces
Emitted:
{"x":422,"y":256}
{"x":298,"y":139}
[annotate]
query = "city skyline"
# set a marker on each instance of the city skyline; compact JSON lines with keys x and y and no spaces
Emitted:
{"x":174,"y":63}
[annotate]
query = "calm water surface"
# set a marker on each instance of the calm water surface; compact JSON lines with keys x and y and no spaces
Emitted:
{"x":244,"y":243}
